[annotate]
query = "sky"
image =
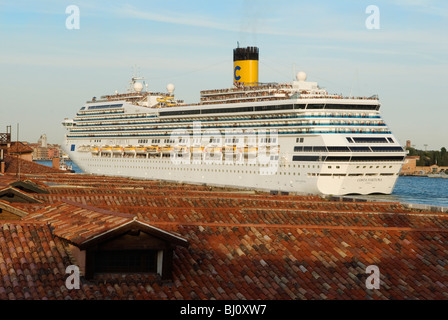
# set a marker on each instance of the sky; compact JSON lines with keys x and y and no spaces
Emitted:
{"x":48,"y":69}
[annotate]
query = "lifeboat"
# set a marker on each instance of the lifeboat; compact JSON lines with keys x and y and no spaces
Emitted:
{"x":106,"y":149}
{"x":249,"y":149}
{"x":214,"y":150}
{"x":167,"y":149}
{"x":153,"y":149}
{"x":117,"y":149}
{"x":239,"y":150}
{"x":197,"y":149}
{"x":84,"y":148}
{"x":140,"y":149}
{"x":129,"y":149}
{"x":229,"y":149}
{"x":181,"y":149}
{"x":164,"y":99}
{"x":95,"y":150}
{"x":268,"y":149}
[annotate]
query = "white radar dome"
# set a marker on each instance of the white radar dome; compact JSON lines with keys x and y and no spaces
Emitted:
{"x":170,"y":88}
{"x":138,"y":86}
{"x":301,"y":76}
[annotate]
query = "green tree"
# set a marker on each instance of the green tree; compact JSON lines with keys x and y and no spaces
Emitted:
{"x":412,"y":151}
{"x":443,"y":157}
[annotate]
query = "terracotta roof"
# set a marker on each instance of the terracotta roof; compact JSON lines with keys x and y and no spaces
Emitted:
{"x":243,"y":246}
{"x":79,"y":224}
{"x":32,"y":263}
{"x":19,"y":194}
{"x":4,"y":205}
{"x":33,"y":266}
{"x":27,"y":207}
{"x":28,"y":186}
{"x":27,"y":167}
{"x":18,"y":147}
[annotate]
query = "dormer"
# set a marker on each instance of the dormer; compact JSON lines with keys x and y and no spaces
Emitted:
{"x":13,"y":195}
{"x":102,"y":241}
{"x":134,"y":247}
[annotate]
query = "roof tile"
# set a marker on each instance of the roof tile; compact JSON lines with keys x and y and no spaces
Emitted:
{"x":249,"y":246}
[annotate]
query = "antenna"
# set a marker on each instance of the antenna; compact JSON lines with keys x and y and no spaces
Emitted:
{"x":355,"y":81}
{"x":17,"y":150}
{"x":136,"y":71}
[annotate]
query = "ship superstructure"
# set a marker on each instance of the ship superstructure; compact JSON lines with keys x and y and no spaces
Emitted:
{"x":292,"y":137}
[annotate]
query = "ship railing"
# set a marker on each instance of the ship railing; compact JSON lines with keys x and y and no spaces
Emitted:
{"x":244,"y":88}
{"x":272,"y":96}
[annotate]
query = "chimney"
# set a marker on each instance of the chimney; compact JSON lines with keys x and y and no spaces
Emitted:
{"x":245,"y":66}
{"x":56,"y":163}
{"x":2,"y":162}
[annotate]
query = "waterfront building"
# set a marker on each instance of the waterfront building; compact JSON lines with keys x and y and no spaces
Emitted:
{"x":410,"y":167}
{"x":42,"y":150}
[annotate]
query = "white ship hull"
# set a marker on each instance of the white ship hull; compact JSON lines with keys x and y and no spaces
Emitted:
{"x":282,"y":176}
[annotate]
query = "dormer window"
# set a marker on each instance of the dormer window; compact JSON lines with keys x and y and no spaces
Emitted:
{"x":126,"y":261}
{"x":133,"y":248}
{"x":103,"y":241}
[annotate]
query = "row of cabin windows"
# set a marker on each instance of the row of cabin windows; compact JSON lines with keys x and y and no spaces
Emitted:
{"x":369,"y":140}
{"x":286,"y":166}
{"x":270,"y":108}
{"x":211,"y":140}
{"x":274,"y":140}
{"x":350,"y":174}
{"x":346,"y":149}
{"x":210,"y":170}
{"x":360,"y":140}
{"x":347,"y":158}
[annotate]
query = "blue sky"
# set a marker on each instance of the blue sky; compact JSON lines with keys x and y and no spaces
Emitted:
{"x":47,"y":71}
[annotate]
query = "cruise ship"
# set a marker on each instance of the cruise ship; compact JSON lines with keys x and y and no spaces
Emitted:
{"x":292,"y":137}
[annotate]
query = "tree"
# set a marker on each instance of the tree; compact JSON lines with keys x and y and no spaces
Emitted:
{"x":412,"y":151}
{"x":443,"y":157}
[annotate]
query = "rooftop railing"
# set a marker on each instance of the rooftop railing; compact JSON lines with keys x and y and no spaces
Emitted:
{"x":5,"y":138}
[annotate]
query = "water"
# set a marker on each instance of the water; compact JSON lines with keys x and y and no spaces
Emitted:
{"x":69,"y":163}
{"x":421,"y":190}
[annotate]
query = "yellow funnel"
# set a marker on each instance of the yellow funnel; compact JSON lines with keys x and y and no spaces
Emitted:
{"x":245,"y":66}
